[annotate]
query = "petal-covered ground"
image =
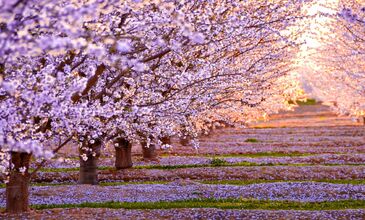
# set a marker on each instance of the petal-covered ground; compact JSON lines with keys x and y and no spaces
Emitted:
{"x":194,"y":213}
{"x":176,"y":191}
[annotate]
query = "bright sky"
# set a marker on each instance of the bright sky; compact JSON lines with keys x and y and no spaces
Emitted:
{"x":314,"y":28}
{"x":318,"y":25}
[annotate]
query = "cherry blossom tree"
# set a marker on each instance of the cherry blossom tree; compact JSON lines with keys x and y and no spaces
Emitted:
{"x":33,"y":85}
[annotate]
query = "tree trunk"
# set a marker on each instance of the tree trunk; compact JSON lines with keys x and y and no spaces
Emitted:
{"x":149,"y":153}
{"x":123,"y":154}
{"x":185,"y":141}
{"x":166,"y":140}
{"x":89,"y":167}
{"x":17,"y":193}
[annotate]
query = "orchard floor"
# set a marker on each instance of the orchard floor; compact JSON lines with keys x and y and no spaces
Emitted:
{"x":306,"y":164}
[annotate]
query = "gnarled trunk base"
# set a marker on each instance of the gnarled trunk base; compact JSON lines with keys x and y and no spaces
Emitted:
{"x":166,"y":140}
{"x":123,"y":154}
{"x":149,"y":153}
{"x":185,"y":141}
{"x":17,"y":192}
{"x":89,"y":167}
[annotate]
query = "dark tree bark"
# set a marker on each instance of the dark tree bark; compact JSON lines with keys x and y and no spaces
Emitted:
{"x":149,"y":153}
{"x":166,"y":140}
{"x":185,"y":141}
{"x":89,"y":168}
{"x":123,"y":154}
{"x":17,"y":192}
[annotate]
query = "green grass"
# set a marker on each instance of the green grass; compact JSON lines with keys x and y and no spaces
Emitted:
{"x":49,"y":169}
{"x":164,"y":167}
{"x":214,"y":163}
{"x":128,"y":183}
{"x":252,"y":140}
{"x":264,"y":127}
{"x":307,"y":102}
{"x":239,"y":164}
{"x":223,"y":182}
{"x":70,"y":169}
{"x":253,"y":155}
{"x":267,"y":154}
{"x":52,"y":184}
{"x":172,"y":167}
{"x":2,"y":185}
{"x":218,"y":203}
{"x":218,"y":162}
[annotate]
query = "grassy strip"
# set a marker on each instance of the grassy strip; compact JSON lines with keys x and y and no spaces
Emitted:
{"x":51,"y":169}
{"x":215,"y":182}
{"x":240,"y":164}
{"x":251,"y":155}
{"x":129,"y":183}
{"x":259,"y":154}
{"x":181,"y":166}
{"x":307,"y":102}
{"x":252,"y":140}
{"x":274,"y":154}
{"x":215,"y":163}
{"x":69,"y":169}
{"x":2,"y":185}
{"x":218,"y":203}
{"x":53,"y":184}
{"x":248,"y":182}
{"x":266,"y":127}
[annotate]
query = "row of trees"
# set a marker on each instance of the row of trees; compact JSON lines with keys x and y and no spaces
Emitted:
{"x":126,"y":71}
{"x":337,"y":73}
